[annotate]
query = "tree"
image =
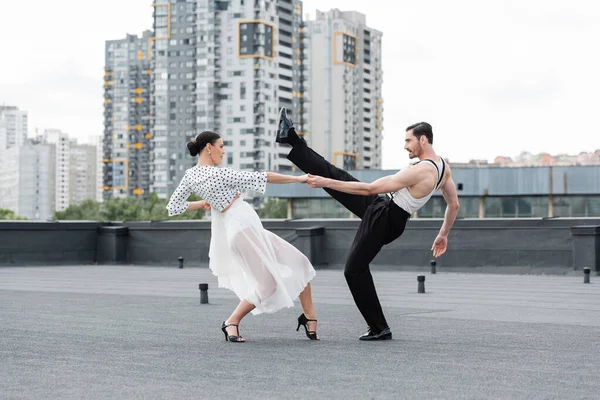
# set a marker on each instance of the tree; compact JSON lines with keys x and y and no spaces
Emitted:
{"x":126,"y":209}
{"x":87,"y":210}
{"x":273,"y":208}
{"x":155,"y":209}
{"x":7,"y":215}
{"x":195,"y":214}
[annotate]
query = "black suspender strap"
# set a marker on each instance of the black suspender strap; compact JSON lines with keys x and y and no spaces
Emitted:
{"x":442,"y":174}
{"x":438,"y":170}
{"x":391,"y":195}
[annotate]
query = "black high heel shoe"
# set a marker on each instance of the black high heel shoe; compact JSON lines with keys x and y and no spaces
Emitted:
{"x":232,"y":338}
{"x":302,"y":320}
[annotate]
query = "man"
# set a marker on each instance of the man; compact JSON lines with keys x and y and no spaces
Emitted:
{"x":383,"y":218}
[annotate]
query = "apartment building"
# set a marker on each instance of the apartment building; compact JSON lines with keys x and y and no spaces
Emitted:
{"x":126,"y":141}
{"x":224,"y":66}
{"x":342,"y":105}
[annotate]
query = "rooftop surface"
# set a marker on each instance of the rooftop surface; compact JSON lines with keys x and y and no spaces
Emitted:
{"x":125,"y":332}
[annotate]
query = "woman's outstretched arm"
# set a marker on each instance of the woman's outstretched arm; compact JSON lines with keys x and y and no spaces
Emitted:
{"x":273,"y":177}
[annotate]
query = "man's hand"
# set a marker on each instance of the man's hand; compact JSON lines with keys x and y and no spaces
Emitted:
{"x":439,"y":245}
{"x":316,"y":181}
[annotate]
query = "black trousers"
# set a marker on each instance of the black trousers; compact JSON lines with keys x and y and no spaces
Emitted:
{"x":382,"y":222}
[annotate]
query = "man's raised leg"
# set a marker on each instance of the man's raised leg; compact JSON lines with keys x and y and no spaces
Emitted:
{"x":313,"y":163}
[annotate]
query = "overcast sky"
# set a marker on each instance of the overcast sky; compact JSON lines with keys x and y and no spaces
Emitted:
{"x":493,"y":77}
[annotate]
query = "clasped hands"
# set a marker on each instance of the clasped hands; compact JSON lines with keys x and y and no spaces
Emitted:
{"x":314,"y":181}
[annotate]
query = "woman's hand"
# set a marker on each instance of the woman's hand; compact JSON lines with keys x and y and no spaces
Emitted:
{"x":303,"y":178}
{"x":237,"y":196}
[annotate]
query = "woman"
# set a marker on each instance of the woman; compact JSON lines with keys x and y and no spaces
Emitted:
{"x":263,"y":270}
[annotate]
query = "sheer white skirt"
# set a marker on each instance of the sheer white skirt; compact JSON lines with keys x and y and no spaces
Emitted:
{"x":255,"y":264}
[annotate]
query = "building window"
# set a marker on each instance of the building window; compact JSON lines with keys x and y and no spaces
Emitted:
{"x":576,"y":206}
{"x":255,"y":40}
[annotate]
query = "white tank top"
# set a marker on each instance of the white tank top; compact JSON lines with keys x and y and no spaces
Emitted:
{"x":405,"y":201}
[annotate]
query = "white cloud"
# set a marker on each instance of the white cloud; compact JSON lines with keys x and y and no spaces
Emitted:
{"x":492,"y":77}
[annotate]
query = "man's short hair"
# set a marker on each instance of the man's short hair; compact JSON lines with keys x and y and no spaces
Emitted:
{"x":422,"y":129}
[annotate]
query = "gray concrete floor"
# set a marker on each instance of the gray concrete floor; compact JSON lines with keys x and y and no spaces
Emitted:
{"x":129,"y":332}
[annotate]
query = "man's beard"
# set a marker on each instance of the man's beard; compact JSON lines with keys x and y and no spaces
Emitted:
{"x":416,"y":153}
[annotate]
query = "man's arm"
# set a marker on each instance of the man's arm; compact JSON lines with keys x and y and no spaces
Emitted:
{"x":449,"y":192}
{"x":387,"y":184}
{"x":440,"y":243}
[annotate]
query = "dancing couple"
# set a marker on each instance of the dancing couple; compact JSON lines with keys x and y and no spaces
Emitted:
{"x":266,"y":272}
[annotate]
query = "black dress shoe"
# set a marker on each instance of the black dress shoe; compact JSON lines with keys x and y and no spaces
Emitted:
{"x":285,"y":124}
{"x":372,"y":334}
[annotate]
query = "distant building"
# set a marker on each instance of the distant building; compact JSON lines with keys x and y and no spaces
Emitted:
{"x":224,"y":66}
{"x":13,"y":127}
{"x":473,"y":164}
{"x":47,"y":174}
{"x":342,"y":109}
{"x":62,"y":160}
{"x":126,"y":141}
{"x":27,"y":180}
{"x":526,"y":159}
{"x":494,"y":192}
{"x":83,"y":183}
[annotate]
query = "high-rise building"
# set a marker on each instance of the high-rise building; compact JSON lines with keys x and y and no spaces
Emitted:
{"x":126,"y":142}
{"x":46,"y":174}
{"x":96,"y":141}
{"x":62,"y":166}
{"x":83,"y":172}
{"x":224,"y":66}
{"x":27,"y":180}
{"x":9,"y":179}
{"x":76,"y":169}
{"x":13,"y":126}
{"x":342,"y":99}
{"x":3,"y":134}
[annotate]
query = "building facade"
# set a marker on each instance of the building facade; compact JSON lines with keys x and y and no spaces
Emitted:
{"x":126,"y":141}
{"x":520,"y":192}
{"x":27,"y":180}
{"x":527,"y":159}
{"x":3,"y":134}
{"x":83,"y":172}
{"x":62,"y":160}
{"x":13,"y":127}
{"x":9,"y":179}
{"x":97,"y":142}
{"x":47,"y":174}
{"x":342,"y":96}
{"x":224,"y":66}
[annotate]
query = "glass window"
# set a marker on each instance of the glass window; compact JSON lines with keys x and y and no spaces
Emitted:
{"x":469,"y":207}
{"x":493,"y":207}
{"x":318,"y":208}
{"x":516,"y":207}
{"x":532,"y":207}
{"x":576,"y":206}
{"x":593,"y":206}
{"x":434,"y":208}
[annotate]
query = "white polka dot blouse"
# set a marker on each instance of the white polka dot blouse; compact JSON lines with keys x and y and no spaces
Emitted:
{"x":218,"y":186}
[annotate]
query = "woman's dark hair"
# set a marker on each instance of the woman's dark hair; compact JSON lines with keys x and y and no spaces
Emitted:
{"x":196,"y":146}
{"x":422,"y":129}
